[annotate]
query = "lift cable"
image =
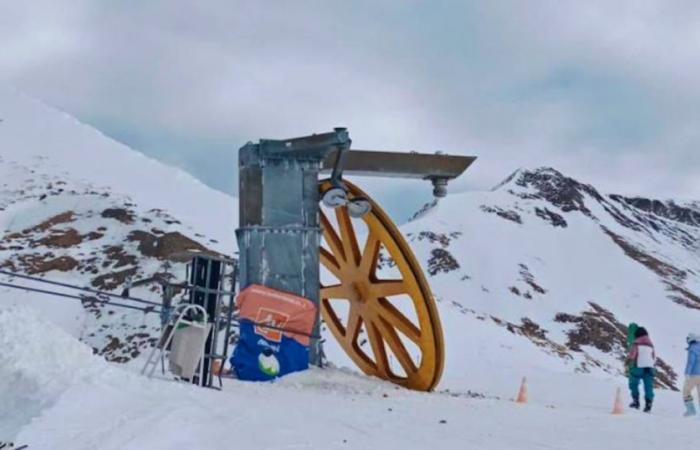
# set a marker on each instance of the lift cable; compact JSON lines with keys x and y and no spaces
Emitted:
{"x":80,"y":288}
{"x":150,"y":308}
{"x":78,"y":297}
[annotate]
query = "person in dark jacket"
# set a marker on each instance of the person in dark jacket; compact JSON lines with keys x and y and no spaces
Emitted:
{"x":642,"y":359}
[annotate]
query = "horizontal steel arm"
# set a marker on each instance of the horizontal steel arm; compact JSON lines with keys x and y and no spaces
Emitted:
{"x":400,"y":165}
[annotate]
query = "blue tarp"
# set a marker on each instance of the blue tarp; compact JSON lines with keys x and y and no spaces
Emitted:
{"x":258,"y":359}
{"x":274,"y":333}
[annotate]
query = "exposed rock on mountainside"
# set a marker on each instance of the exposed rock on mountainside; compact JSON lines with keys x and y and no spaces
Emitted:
{"x":598,"y":328}
{"x":688,"y":215}
{"x":592,"y":261}
{"x":94,"y":221}
{"x":509,"y":215}
{"x":102,"y":241}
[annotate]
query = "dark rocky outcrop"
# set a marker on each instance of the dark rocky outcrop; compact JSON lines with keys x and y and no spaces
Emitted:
{"x":663,"y":209}
{"x":600,"y":329}
{"x":551,"y":217}
{"x":661,"y":268}
{"x":444,"y":239}
{"x":513,"y":216}
{"x":441,"y":261}
{"x":552,"y":186}
{"x":60,"y":239}
{"x":120,"y":214}
{"x":169,"y":246}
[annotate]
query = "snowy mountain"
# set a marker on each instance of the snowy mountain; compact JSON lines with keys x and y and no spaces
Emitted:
{"x":80,"y":208}
{"x":537,"y":277}
{"x":562,"y":268}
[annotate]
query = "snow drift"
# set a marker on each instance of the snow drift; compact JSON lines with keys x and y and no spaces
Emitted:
{"x":38,"y":361}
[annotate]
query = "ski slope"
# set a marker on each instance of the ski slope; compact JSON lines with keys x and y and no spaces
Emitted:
{"x":536,"y":278}
{"x":109,"y":407}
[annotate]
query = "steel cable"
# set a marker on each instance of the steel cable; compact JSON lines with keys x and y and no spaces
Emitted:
{"x":72,"y":286}
{"x":77,"y":297}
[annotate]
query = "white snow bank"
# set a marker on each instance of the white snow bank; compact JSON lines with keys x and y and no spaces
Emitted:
{"x":56,"y":395}
{"x":68,"y":315}
{"x":38,"y":361}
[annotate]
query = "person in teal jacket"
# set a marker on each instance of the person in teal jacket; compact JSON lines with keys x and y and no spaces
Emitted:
{"x":643,"y":357}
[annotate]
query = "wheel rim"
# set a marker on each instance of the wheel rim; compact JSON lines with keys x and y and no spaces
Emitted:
{"x":375,"y":327}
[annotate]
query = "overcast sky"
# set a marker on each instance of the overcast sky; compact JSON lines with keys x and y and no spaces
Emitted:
{"x":606,"y":91}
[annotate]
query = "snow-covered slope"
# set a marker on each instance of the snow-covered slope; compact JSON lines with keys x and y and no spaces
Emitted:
{"x":544,"y":273}
{"x":80,"y":208}
{"x":535,"y":278}
{"x":39,"y":142}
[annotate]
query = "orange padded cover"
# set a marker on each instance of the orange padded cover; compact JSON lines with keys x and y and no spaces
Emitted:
{"x":261,"y":305}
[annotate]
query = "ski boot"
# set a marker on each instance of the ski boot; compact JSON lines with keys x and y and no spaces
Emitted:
{"x":635,"y":403}
{"x":647,"y":405}
{"x":689,"y":408}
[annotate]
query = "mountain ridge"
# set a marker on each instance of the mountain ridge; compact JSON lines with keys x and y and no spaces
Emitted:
{"x":656,"y":240}
{"x":543,"y":271}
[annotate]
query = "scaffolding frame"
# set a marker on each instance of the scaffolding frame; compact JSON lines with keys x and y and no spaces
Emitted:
{"x":222,"y":318}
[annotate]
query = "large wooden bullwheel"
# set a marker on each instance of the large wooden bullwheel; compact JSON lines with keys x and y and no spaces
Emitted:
{"x":388,"y":326}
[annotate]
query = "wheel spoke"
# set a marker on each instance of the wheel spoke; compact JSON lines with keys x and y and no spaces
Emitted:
{"x":330,"y":263}
{"x":347,"y":233}
{"x":370,"y":255}
{"x":377,"y":343}
{"x":331,"y":318}
{"x":394,"y":252}
{"x":387,"y":288}
{"x":352,"y":330}
{"x":398,"y":349}
{"x":398,"y":320}
{"x":332,"y":238}
{"x":334,"y":291}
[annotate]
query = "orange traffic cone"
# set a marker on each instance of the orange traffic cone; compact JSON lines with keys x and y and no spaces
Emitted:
{"x":216,"y":367}
{"x":522,"y":393}
{"x":618,"y":409}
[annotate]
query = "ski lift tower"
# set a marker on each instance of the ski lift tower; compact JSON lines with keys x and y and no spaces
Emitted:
{"x":285,"y":237}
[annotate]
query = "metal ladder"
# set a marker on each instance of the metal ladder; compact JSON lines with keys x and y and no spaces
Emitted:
{"x":158,"y":352}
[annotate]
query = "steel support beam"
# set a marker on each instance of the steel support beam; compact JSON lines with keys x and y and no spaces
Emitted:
{"x":401,"y":165}
{"x":279,"y":234}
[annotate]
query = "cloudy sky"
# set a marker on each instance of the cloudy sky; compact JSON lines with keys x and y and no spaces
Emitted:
{"x":606,"y":91}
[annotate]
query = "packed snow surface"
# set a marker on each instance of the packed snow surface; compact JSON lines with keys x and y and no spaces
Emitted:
{"x":107,"y":407}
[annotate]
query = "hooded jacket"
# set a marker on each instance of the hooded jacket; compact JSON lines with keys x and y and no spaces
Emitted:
{"x":642,"y":352}
{"x":692,"y":368}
